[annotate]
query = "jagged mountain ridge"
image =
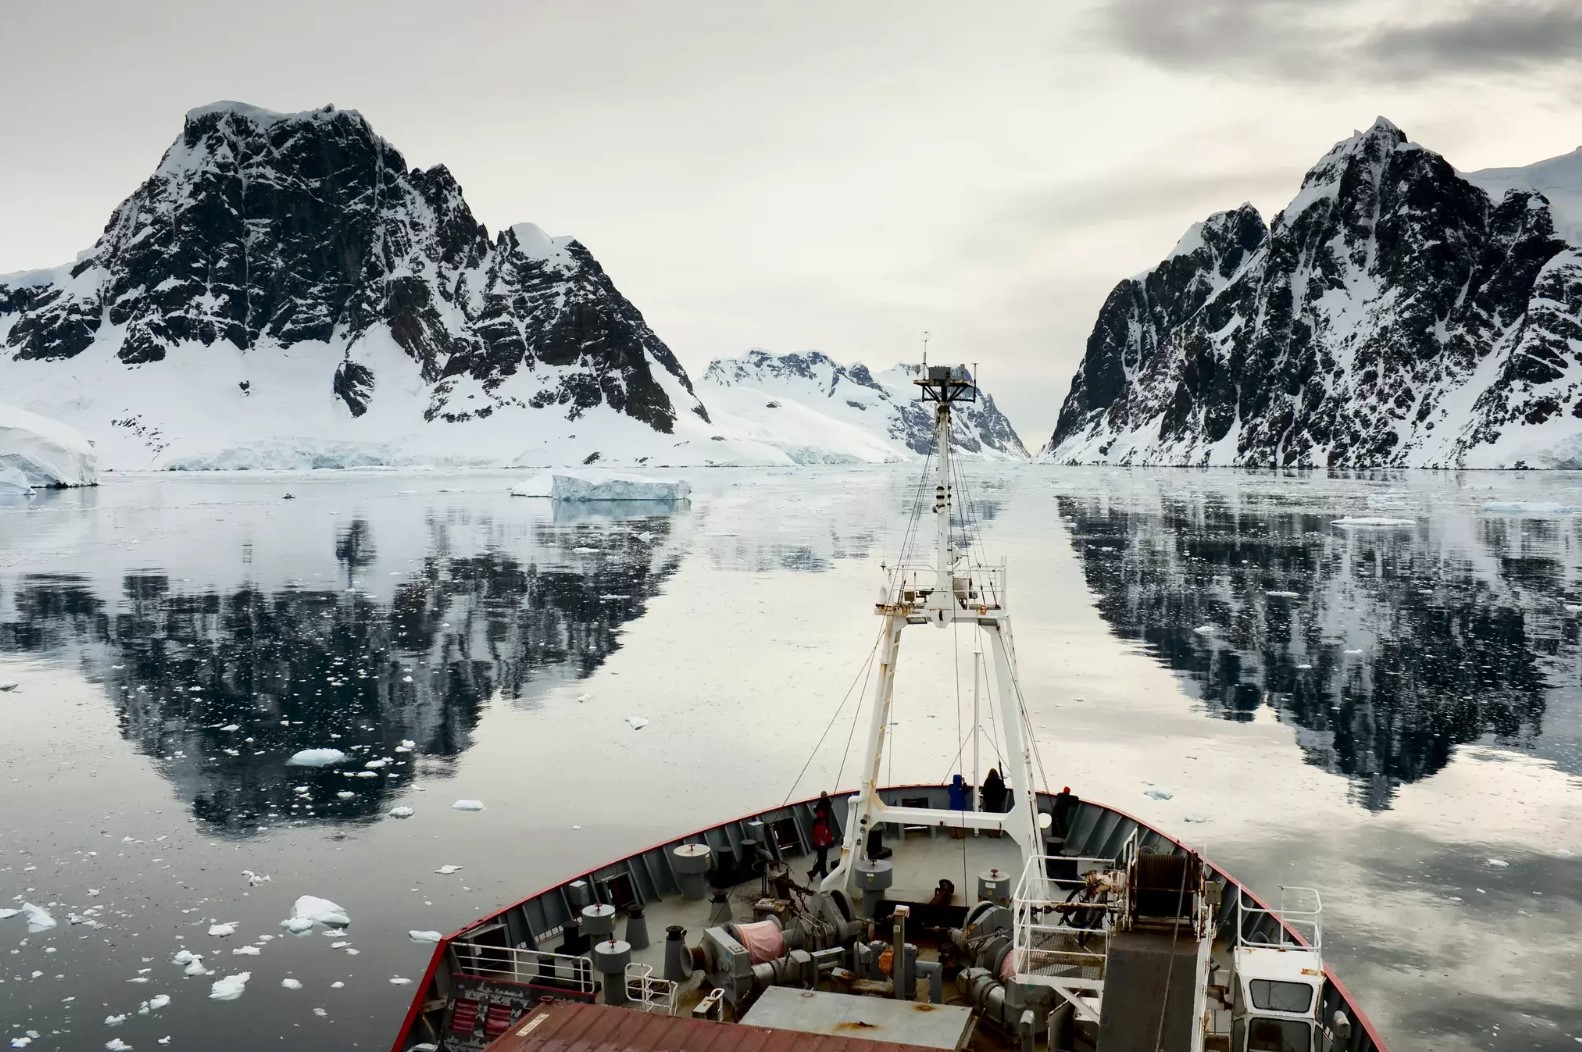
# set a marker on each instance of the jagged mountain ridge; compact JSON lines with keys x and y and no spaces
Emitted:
{"x":1394,"y":314}
{"x":289,"y":275}
{"x":796,"y":401}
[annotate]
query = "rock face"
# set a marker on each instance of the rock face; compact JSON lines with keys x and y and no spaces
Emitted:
{"x":1396,"y":313}
{"x":802,"y":401}
{"x":292,"y":263}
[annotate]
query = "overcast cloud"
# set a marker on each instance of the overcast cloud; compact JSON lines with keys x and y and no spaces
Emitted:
{"x":822,"y":175}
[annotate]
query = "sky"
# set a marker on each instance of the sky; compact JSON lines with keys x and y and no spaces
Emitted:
{"x":817,"y":175}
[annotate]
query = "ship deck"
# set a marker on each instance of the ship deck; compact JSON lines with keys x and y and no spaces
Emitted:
{"x":921,"y":859}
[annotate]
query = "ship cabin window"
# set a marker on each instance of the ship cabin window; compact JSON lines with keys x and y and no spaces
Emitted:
{"x":1272,"y":995}
{"x":1278,"y":1035}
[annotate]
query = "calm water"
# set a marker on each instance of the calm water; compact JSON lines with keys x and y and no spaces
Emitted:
{"x":1406,"y":718}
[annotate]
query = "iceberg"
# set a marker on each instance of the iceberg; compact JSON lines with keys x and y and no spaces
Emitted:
{"x":559,"y":485}
{"x":45,"y":453}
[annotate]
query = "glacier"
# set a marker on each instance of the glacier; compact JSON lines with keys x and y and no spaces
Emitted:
{"x":42,"y":453}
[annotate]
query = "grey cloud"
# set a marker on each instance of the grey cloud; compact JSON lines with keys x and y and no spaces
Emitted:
{"x":1336,"y":39}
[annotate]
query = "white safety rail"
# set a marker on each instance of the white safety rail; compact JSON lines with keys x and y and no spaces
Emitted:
{"x":1301,"y":911}
{"x":649,"y":994}
{"x":1060,"y":938}
{"x":531,"y":967}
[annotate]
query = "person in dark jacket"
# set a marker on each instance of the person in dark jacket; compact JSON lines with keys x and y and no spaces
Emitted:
{"x":993,"y":795}
{"x":823,"y":835}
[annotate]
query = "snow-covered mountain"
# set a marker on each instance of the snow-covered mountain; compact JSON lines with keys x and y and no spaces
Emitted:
{"x":817,"y":410}
{"x":284,"y":291}
{"x":1394,"y":313}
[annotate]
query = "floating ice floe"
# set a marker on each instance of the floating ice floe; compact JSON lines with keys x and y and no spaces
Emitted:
{"x":1499,"y":863}
{"x":155,"y":1003}
{"x":222,"y":930}
{"x":424,"y":936}
{"x":1283,"y":595}
{"x":254,"y":879}
{"x":559,"y":485}
{"x":310,"y":910}
{"x":1158,"y":794}
{"x":402,"y":812}
{"x":246,"y":951}
{"x":397,"y":980}
{"x":317,"y":758}
{"x":291,"y":984}
{"x":1527,"y":507}
{"x":1354,"y":652}
{"x":468,"y":805}
{"x":114,"y":1020}
{"x":230,"y":987}
{"x":447,"y":870}
{"x":37,"y":917}
{"x":637,"y":723}
{"x":346,"y":794}
{"x":1372,"y":520}
{"x":372,"y":764}
{"x":115,"y":1044}
{"x":1205,"y":630}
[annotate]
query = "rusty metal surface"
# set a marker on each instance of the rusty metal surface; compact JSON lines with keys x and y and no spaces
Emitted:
{"x":566,"y":1026}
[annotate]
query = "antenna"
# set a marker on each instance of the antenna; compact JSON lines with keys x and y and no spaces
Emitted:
{"x":925,"y":348}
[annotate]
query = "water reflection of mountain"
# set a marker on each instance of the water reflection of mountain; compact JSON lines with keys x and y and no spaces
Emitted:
{"x":222,"y":686}
{"x":1397,"y":645}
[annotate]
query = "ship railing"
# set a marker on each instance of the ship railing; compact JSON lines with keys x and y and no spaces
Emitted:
{"x":649,"y":994}
{"x":530,"y":967}
{"x":1060,"y":934}
{"x":976,"y":585}
{"x":1299,"y":918}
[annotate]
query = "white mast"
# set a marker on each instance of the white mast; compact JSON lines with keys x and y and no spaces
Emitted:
{"x":948,"y":592}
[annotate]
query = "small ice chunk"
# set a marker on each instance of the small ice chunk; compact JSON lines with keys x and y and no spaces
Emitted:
{"x":584,"y":550}
{"x":447,"y":870}
{"x":291,"y":984}
{"x":396,"y":980}
{"x":346,"y":794}
{"x":9,"y":685}
{"x":222,"y":930}
{"x":158,"y":1001}
{"x":231,"y":727}
{"x":297,"y":925}
{"x":230,"y":987}
{"x":1499,"y":863}
{"x":424,"y":936}
{"x":246,"y":951}
{"x":372,"y":764}
{"x":1157,"y":793}
{"x":1194,"y":818}
{"x":1205,"y":630}
{"x":468,"y":805}
{"x":313,"y":909}
{"x":114,"y":1020}
{"x":186,"y":957}
{"x":254,"y":879}
{"x":38,"y":918}
{"x":1282,"y":595}
{"x":317,"y":758}
{"x":402,"y":812}
{"x":637,"y":723}
{"x":21,"y":1042}
{"x":1354,"y":652}
{"x":115,"y":1044}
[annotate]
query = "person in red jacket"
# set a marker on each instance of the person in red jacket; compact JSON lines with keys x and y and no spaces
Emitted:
{"x":823,"y":835}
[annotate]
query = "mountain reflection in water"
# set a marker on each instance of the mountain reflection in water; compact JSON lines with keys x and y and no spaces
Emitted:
{"x":1386,"y":646}
{"x":223,"y":686}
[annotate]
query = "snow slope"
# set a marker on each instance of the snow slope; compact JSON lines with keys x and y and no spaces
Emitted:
{"x":816,"y":410}
{"x":1395,"y":313}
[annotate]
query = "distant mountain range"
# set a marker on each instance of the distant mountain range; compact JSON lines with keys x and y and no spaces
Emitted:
{"x":1395,"y":313}
{"x":285,"y":292}
{"x":816,"y":409}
